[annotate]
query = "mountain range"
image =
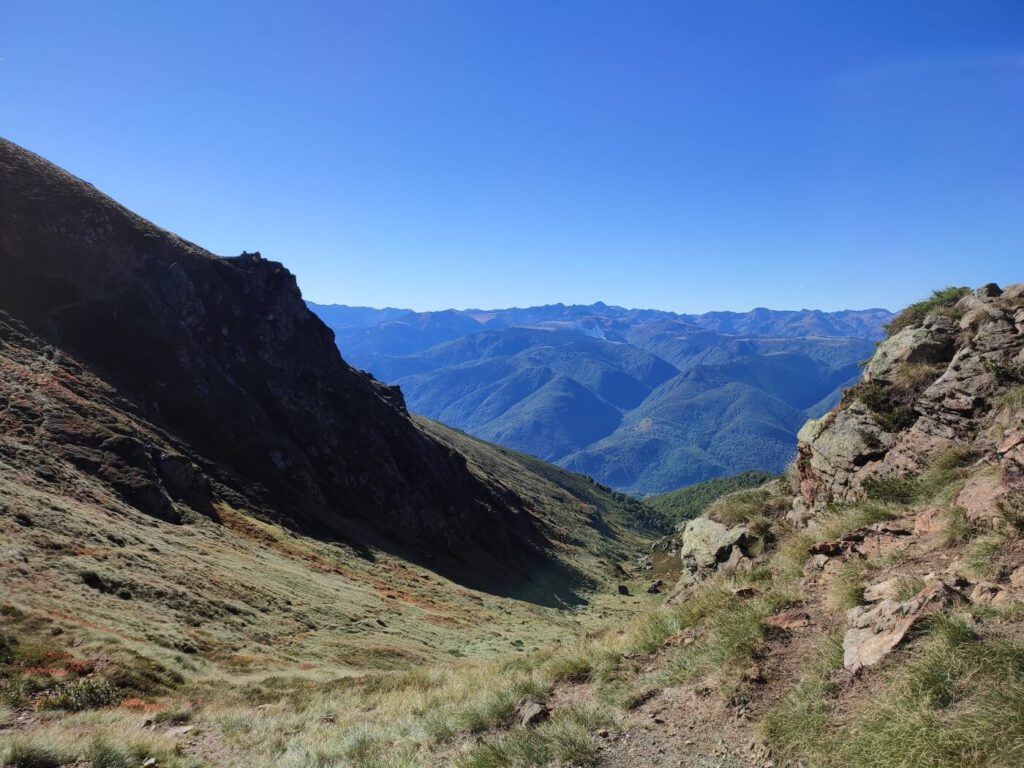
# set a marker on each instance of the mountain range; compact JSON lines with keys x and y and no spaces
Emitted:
{"x":645,"y":401}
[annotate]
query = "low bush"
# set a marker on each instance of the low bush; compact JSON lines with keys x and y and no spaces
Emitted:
{"x":78,"y":695}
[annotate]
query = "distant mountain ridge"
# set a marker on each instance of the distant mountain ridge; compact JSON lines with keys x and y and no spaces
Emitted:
{"x":644,"y":400}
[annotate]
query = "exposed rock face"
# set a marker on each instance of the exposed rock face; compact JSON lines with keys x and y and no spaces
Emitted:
{"x":875,"y":631}
{"x":223,"y":356}
{"x":927,"y":388}
{"x":933,"y":342}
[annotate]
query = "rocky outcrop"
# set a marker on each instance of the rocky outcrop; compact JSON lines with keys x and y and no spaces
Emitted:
{"x":703,"y":546}
{"x":705,"y":543}
{"x":932,"y":342}
{"x":927,"y":388}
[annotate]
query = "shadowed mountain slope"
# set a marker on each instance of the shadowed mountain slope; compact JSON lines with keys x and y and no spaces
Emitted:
{"x":223,"y":387}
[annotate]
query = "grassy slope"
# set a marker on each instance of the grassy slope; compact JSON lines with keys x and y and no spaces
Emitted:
{"x":952,"y":697}
{"x":111,"y":611}
{"x":689,"y":502}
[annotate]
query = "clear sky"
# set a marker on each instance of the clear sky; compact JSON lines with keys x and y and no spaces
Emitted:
{"x":430,"y":154}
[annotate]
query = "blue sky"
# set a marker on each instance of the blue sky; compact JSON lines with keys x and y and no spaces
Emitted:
{"x":681,"y":155}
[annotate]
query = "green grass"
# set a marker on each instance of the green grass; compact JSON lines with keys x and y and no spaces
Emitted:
{"x":1013,"y":399}
{"x":938,"y":484}
{"x":847,"y":588}
{"x":742,"y":507}
{"x":958,"y":701}
{"x":981,"y":558}
{"x":942,"y":302}
{"x":732,"y":635}
{"x":799,"y":723}
{"x":958,"y":527}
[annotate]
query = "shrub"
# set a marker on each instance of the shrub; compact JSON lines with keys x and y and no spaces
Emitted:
{"x":89,"y":693}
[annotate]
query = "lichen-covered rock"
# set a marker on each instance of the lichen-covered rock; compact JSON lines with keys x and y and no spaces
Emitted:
{"x":706,"y":542}
{"x":929,"y":387}
{"x":933,"y":342}
{"x":837,"y":451}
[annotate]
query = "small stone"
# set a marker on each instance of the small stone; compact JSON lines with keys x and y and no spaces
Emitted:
{"x":789,"y":620}
{"x":929,"y":520}
{"x":986,"y":593}
{"x":1017,"y":578}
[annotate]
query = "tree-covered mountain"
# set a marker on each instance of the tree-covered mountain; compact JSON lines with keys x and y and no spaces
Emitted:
{"x":645,"y":401}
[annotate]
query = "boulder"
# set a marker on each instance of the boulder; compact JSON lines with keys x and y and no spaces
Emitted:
{"x":706,"y":543}
{"x":874,"y":632}
{"x":986,"y":593}
{"x":836,"y":451}
{"x":184,"y":481}
{"x":929,"y":520}
{"x":531,"y":711}
{"x":737,"y":562}
{"x":981,"y":496}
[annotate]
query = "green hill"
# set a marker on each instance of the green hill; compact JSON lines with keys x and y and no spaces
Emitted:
{"x":689,"y":502}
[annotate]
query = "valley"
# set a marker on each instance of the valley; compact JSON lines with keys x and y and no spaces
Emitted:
{"x":644,"y":401}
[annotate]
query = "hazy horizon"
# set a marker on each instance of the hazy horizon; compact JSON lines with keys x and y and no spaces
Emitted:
{"x":596,"y":303}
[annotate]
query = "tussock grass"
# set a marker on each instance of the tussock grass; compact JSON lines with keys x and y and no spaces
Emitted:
{"x":959,"y":700}
{"x":799,"y":723}
{"x":959,"y":528}
{"x":981,"y":557}
{"x":941,"y":302}
{"x":745,"y":506}
{"x":847,"y":589}
{"x":566,"y":739}
{"x":1011,"y":510}
{"x":1013,"y":399}
{"x":732,"y":634}
{"x":114,"y":744}
{"x":938,"y":484}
